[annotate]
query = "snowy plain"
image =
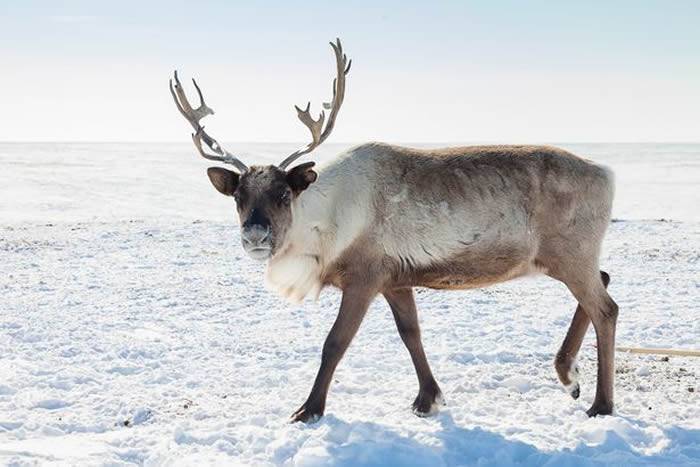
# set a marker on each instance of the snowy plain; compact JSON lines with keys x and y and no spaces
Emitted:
{"x":134,"y":330}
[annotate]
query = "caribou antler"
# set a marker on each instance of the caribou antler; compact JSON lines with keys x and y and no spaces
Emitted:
{"x":318,"y":133}
{"x":194,"y":116}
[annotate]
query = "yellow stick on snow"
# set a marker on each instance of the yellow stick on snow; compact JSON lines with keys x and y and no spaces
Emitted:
{"x":683,"y":353}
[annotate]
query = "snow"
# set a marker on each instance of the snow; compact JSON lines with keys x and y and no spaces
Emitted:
{"x":134,"y":330}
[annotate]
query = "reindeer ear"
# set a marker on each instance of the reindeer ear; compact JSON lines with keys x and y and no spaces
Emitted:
{"x":300,"y":177}
{"x":223,"y":180}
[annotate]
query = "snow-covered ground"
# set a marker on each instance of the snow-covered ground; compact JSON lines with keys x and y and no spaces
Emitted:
{"x":133,"y":329}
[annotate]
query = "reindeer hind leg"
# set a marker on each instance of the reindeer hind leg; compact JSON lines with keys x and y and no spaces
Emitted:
{"x":565,"y":362}
{"x":589,"y":288}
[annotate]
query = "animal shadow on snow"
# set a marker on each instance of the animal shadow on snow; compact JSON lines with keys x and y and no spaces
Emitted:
{"x":371,"y":444}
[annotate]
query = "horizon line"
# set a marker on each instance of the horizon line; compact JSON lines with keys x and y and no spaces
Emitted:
{"x":447,"y":142}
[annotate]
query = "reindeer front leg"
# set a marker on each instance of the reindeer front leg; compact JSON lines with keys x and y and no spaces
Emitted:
{"x":403,"y":307}
{"x":353,"y":307}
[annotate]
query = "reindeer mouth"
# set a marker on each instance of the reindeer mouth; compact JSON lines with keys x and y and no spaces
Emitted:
{"x":259,"y":253}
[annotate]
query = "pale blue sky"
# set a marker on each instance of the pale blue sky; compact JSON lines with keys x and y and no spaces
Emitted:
{"x":422,"y":71}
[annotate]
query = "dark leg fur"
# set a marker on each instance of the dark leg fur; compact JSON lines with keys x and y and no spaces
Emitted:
{"x":403,"y":307}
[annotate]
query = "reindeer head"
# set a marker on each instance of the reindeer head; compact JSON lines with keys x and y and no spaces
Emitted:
{"x":264,"y":194}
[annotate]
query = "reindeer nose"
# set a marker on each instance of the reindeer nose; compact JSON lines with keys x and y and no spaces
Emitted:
{"x":255,"y":235}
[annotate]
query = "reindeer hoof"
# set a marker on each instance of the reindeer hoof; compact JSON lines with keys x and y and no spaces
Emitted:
{"x":573,"y":387}
{"x":306,"y":415}
{"x":575,"y":391}
{"x":427,"y":403}
{"x":600,"y":408}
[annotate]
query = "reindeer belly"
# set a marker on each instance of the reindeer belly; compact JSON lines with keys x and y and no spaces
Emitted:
{"x":472,"y":269}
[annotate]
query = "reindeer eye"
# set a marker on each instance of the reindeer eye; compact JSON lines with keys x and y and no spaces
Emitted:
{"x":285,"y":197}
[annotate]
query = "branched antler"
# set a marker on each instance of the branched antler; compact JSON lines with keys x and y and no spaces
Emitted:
{"x":193,"y":116}
{"x":318,"y":132}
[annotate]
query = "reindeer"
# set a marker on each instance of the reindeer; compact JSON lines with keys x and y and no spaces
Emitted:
{"x":383,"y":219}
